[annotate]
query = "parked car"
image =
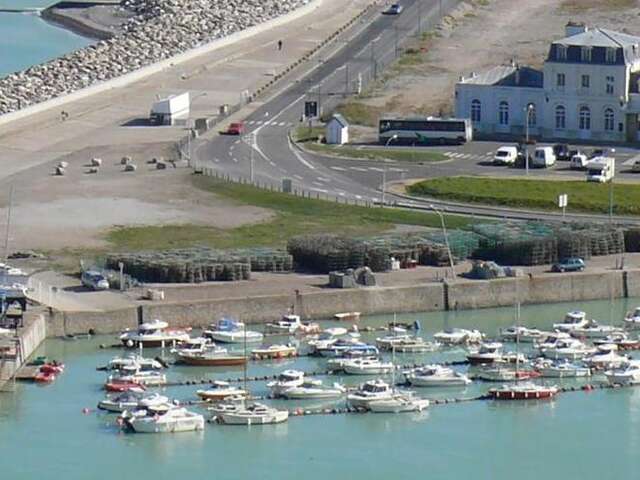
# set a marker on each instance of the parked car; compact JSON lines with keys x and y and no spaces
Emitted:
{"x":635,"y":168}
{"x":579,"y":161}
{"x":94,"y":280}
{"x":394,"y":9}
{"x":236,"y":128}
{"x":571,"y":264}
{"x":598,"y":152}
{"x":506,"y":155}
{"x":544,"y":157}
{"x":562,"y":152}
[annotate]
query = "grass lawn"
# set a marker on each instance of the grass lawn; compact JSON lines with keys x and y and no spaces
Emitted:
{"x":293,"y":216}
{"x":534,"y":193}
{"x":402,"y":155}
{"x":604,"y":5}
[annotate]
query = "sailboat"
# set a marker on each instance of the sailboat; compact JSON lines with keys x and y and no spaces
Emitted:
{"x":522,"y":390}
{"x":398,"y":402}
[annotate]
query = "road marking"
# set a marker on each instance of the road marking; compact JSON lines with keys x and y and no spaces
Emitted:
{"x":376,"y":169}
{"x":235,"y":159}
{"x":394,"y":169}
{"x":298,"y":155}
{"x":339,"y":169}
{"x":323,"y":179}
{"x":318,"y":183}
{"x":216,"y":160}
{"x":298,"y":177}
{"x":631,"y":161}
{"x":321,"y":190}
{"x":449,"y":154}
{"x":251,"y":122}
{"x":359,"y":197}
{"x":282,"y":124}
{"x":258,"y":122}
{"x":358,"y":169}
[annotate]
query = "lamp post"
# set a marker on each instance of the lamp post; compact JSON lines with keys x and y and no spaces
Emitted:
{"x":613,"y":151}
{"x":526,"y":138}
{"x":374,"y":63}
{"x":384,"y":169}
{"x":446,"y":239}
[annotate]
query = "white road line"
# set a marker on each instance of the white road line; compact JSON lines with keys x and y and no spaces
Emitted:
{"x":359,"y":197}
{"x":298,"y":177}
{"x":394,"y":169}
{"x":282,"y":124}
{"x":298,"y":155}
{"x":251,"y":122}
{"x":376,"y":169}
{"x":449,"y":154}
{"x":321,"y":190}
{"x":235,"y":159}
{"x":323,"y":179}
{"x":237,"y":142}
{"x":358,"y":169}
{"x":630,"y":162}
{"x":258,"y":122}
{"x":216,"y":160}
{"x":339,"y":169}
{"x":318,"y":184}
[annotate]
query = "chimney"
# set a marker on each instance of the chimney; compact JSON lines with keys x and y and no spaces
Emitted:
{"x":574,"y":28}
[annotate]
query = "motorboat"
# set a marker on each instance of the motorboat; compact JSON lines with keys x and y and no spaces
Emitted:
{"x":131,"y":400}
{"x":164,"y":418}
{"x":287,"y":324}
{"x":153,"y":334}
{"x":347,"y":316}
{"x":523,"y":391}
{"x":399,"y":403}
{"x":620,"y":339}
{"x":631,"y":320}
{"x":230,"y":404}
{"x":521,"y":334}
{"x":368,"y":392}
{"x":626,"y":374}
{"x":436,"y":376}
{"x":593,"y":329}
{"x":147,"y":378}
{"x":274,"y":352}
{"x":193,"y":345}
{"x":326,"y":338}
{"x":342,"y":345}
{"x":493,"y":373}
{"x":134,"y":362}
{"x":367,"y":366}
{"x":572,"y":320}
{"x":120,"y":385}
{"x":337,"y":364}
{"x":488,"y":353}
{"x":214,"y":356}
{"x":406,"y":344}
{"x":286,"y":379}
{"x":313,"y":389}
{"x":231,"y":331}
{"x":570,"y":349}
{"x":560,"y":369}
{"x":458,"y":336}
{"x":606,"y":358}
{"x":220,"y":390}
{"x":255,"y":414}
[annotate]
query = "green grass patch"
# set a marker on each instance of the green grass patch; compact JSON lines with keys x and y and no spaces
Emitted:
{"x":603,"y":5}
{"x":305,"y":134}
{"x":534,"y":193}
{"x":360,"y":113}
{"x":416,"y":155}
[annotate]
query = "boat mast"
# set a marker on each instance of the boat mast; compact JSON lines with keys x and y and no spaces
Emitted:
{"x":245,"y":364}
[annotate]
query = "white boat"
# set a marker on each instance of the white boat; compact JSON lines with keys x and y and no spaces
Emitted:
{"x":501,"y":373}
{"x":130,"y":401}
{"x":488,"y":353}
{"x":606,"y":357}
{"x":153,"y":334}
{"x":287,"y":379}
{"x":570,"y":349}
{"x":399,"y":403}
{"x":632,"y":320}
{"x":347,"y":316}
{"x":193,"y":345}
{"x":326,"y":338}
{"x":274,"y":352}
{"x":458,"y":336}
{"x":627,"y":374}
{"x":368,"y":392}
{"x":165,"y":418}
{"x":551,"y":340}
{"x":523,"y":391}
{"x":574,"y":319}
{"x":561,"y":369}
{"x":406,"y":344}
{"x":523,"y":334}
{"x":337,"y":364}
{"x":436,"y":376}
{"x":220,"y":390}
{"x":147,"y":378}
{"x":255,"y":414}
{"x":231,"y":331}
{"x":593,"y":329}
{"x":620,"y":339}
{"x":134,"y":362}
{"x":313,"y":389}
{"x":367,"y":366}
{"x":287,"y":324}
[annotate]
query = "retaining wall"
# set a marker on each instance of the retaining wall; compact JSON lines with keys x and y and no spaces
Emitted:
{"x":31,"y":336}
{"x":71,"y":323}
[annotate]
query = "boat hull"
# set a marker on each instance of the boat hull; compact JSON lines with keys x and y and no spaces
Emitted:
{"x":236,"y":337}
{"x":394,"y":406}
{"x":213,"y":362}
{"x":295,"y":394}
{"x":239,"y":419}
{"x":438,"y":382}
{"x":191,"y":424}
{"x":522,"y":395}
{"x":366,"y":371}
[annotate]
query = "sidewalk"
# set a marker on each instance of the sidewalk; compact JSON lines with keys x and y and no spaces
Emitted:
{"x":215,"y":79}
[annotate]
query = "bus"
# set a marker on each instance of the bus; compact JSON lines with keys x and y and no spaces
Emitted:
{"x":425,"y":130}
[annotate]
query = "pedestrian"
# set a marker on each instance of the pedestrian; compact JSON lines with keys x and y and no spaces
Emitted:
{"x":279,"y":45}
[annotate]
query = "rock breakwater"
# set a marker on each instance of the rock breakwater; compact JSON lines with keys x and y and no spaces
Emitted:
{"x":158,"y":30}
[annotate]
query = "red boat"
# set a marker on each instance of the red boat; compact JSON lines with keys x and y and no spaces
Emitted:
{"x":120,"y":386}
{"x":523,"y":391}
{"x":55,"y":368}
{"x":44,"y":377}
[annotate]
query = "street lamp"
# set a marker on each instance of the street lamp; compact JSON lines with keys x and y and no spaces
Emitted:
{"x":613,"y":151}
{"x":446,"y":239}
{"x":527,"y":110}
{"x":384,"y":169}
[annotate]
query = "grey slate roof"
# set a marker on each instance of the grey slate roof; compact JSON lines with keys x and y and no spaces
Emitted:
{"x":340,"y":119}
{"x":507,"y":76}
{"x":600,"y":37}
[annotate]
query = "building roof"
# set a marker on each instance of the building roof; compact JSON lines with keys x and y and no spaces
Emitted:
{"x":600,"y":37}
{"x":507,"y":76}
{"x":340,"y":119}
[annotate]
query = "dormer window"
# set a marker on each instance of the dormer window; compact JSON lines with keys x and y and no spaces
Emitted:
{"x":611,"y":55}
{"x":561,"y":51}
{"x":585,"y":54}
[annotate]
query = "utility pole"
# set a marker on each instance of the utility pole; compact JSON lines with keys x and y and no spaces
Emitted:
{"x":374,"y":66}
{"x":253,"y":143}
{"x":346,"y":79}
{"x":384,"y":182}
{"x":395,"y":38}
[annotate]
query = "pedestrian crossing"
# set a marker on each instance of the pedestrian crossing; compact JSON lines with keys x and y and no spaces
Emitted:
{"x":468,"y":156}
{"x":268,"y":123}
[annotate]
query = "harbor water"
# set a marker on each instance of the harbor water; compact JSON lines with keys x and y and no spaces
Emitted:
{"x":26,"y":39}
{"x":589,"y":435}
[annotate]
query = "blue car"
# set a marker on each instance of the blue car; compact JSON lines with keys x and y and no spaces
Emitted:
{"x":572,"y":264}
{"x":394,"y":9}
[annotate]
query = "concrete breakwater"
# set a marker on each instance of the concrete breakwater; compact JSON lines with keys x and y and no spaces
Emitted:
{"x":29,"y":338}
{"x":157,"y":31}
{"x":457,"y":295}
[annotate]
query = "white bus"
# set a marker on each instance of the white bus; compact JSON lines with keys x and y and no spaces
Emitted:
{"x":425,"y":130}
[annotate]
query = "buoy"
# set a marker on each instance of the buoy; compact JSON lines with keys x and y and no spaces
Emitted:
{"x":86,"y":410}
{"x":587,"y":388}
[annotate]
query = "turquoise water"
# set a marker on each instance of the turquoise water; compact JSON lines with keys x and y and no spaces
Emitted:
{"x":26,"y":39}
{"x":44,"y":434}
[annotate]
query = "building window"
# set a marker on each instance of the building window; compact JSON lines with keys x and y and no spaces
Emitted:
{"x":585,"y":54}
{"x":585,"y":118}
{"x":610,"y":82}
{"x":503,"y":113}
{"x":476,"y":110}
{"x":560,"y":117}
{"x":585,"y":80}
{"x":531,"y":117}
{"x":609,"y":120}
{"x":611,"y":55}
{"x":560,"y":79}
{"x":562,"y":52}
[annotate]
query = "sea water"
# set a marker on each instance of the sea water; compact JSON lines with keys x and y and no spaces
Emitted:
{"x":589,"y":435}
{"x":26,"y":39}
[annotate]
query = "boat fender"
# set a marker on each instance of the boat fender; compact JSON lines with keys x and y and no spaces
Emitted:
{"x":587,"y":388}
{"x":130,"y":343}
{"x":86,"y":411}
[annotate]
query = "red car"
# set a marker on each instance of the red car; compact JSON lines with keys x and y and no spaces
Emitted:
{"x":236,"y":129}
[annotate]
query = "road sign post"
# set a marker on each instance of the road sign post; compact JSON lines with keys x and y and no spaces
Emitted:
{"x":563,"y":199}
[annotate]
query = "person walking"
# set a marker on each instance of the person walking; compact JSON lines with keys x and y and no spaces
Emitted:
{"x":279,"y":45}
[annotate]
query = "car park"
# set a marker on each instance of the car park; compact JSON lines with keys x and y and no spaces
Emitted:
{"x":579,"y":161}
{"x":571,"y":264}
{"x":394,"y":9}
{"x":544,"y":157}
{"x":562,"y":152}
{"x":506,"y":155}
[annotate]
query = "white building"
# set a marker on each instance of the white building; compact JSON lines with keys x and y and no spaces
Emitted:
{"x":588,"y":89}
{"x":337,"y":130}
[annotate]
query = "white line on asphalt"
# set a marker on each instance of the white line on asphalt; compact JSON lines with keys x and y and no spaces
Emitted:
{"x":394,"y":169}
{"x":358,"y":169}
{"x":235,"y":159}
{"x":630,"y":162}
{"x":258,"y":122}
{"x":298,"y":177}
{"x":359,"y":197}
{"x":376,"y":169}
{"x":340,"y":169}
{"x":237,"y":142}
{"x":318,"y":183}
{"x":282,"y":124}
{"x":251,"y":122}
{"x":321,"y":190}
{"x":298,"y":155}
{"x":323,"y":179}
{"x":216,"y":160}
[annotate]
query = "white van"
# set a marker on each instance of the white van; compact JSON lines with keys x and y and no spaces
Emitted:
{"x":579,"y":161}
{"x":505,"y":156}
{"x":601,"y":169}
{"x":544,"y":157}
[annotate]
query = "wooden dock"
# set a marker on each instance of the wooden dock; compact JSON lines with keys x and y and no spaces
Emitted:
{"x":27,"y":373}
